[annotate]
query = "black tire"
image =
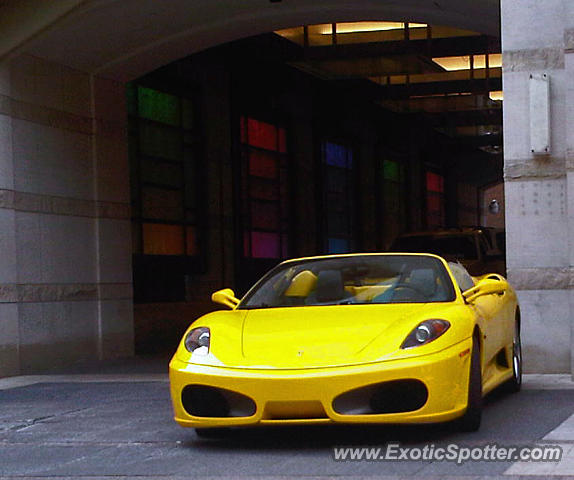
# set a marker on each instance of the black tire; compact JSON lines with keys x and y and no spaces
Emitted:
{"x":211,"y":432}
{"x":470,"y":421}
{"x":515,"y":383}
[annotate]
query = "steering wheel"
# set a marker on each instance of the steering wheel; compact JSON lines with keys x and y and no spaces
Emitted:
{"x":419,"y":293}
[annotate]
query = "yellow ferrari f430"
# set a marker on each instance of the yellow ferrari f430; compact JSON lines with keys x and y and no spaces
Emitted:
{"x":359,"y":338}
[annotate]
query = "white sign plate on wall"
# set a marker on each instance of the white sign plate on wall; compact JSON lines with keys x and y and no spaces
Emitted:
{"x":539,"y":114}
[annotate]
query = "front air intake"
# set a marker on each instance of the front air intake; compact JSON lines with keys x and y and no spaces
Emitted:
{"x":396,"y":396}
{"x":204,"y":401}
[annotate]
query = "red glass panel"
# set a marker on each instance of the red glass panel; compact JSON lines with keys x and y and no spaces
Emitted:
{"x":263,"y":190}
{"x":435,"y":183}
{"x":263,"y":165}
{"x":434,"y":203}
{"x":265,"y":245}
{"x":261,"y":135}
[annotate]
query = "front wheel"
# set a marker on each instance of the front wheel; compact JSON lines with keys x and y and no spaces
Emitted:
{"x":515,"y":383}
{"x":470,"y":421}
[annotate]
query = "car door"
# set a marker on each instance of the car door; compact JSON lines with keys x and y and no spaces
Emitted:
{"x":489,"y":310}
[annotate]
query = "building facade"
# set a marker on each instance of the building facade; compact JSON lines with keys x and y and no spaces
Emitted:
{"x":93,"y":196}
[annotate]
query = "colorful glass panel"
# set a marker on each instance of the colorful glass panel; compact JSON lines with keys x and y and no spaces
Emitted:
{"x":161,"y":239}
{"x":265,"y":245}
{"x":391,"y":171}
{"x":159,"y":106}
{"x":435,"y":182}
{"x":262,"y":164}
{"x":338,"y":155}
{"x":338,"y":245}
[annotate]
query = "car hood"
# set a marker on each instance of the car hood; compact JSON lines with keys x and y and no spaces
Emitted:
{"x":307,"y":337}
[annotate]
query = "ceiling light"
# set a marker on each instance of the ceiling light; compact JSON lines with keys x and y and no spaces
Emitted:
{"x":463,"y":62}
{"x":498,"y":95}
{"x":357,"y":27}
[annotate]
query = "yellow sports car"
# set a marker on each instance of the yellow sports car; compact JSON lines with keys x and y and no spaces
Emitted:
{"x":361,"y":338}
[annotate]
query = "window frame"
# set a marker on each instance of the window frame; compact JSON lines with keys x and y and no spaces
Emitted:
{"x":352,"y":236}
{"x":175,"y":266}
{"x":441,"y":196}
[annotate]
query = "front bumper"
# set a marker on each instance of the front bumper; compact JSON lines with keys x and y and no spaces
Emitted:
{"x":306,"y":396}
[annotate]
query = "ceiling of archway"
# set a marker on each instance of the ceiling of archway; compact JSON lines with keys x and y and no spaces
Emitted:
{"x":418,"y":68}
{"x":126,"y":38}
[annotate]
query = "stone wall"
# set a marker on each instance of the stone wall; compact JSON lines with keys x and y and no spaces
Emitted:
{"x":539,"y":205}
{"x":65,"y":273}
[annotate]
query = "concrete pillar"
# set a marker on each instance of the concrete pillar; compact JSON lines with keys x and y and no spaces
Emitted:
{"x":65,"y":273}
{"x":538,"y":210}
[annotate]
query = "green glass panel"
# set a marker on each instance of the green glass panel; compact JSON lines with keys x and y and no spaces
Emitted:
{"x":391,"y":171}
{"x":162,"y":142}
{"x":159,"y":106}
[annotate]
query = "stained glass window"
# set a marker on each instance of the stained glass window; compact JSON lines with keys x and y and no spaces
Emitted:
{"x":393,"y":192}
{"x":264,"y":189}
{"x":435,"y":200}
{"x":338,"y":197}
{"x":164,"y":173}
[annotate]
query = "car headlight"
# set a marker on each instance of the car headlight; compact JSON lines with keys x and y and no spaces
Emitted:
{"x":198,"y":340}
{"x":426,"y":332}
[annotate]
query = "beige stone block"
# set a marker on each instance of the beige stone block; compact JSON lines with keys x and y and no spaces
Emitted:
{"x":56,"y":334}
{"x":545,"y":316}
{"x":8,"y":267}
{"x":528,"y":23}
{"x":112,"y":166}
{"x":117,"y":327}
{"x":49,"y":87}
{"x":50,"y":161}
{"x":536,"y":214}
{"x":5,"y":88}
{"x":110,"y":100}
{"x":68,"y":249}
{"x":22,"y":78}
{"x":115,"y":251}
{"x":6,"y":158}
{"x":29,"y":247}
{"x":77,"y":92}
{"x":9,"y":340}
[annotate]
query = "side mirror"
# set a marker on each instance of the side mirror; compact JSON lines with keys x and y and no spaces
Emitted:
{"x":225,"y":297}
{"x":486,"y":286}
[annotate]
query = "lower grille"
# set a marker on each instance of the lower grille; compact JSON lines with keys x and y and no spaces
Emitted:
{"x":204,"y":401}
{"x":396,"y":396}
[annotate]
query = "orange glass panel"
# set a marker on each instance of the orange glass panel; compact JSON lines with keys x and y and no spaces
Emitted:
{"x":161,"y":239}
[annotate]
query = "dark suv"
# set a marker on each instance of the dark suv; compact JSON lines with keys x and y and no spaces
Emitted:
{"x":475,"y":248}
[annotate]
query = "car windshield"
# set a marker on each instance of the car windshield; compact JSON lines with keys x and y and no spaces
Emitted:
{"x":351,"y":280}
{"x":455,"y":247}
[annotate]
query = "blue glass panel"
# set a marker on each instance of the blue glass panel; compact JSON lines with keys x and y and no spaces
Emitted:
{"x":338,"y":245}
{"x":338,"y":155}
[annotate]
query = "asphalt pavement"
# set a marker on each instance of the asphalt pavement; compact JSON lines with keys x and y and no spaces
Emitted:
{"x":118,"y":423}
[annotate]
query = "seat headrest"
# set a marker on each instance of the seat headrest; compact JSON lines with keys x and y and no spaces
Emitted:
{"x":330,"y":286}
